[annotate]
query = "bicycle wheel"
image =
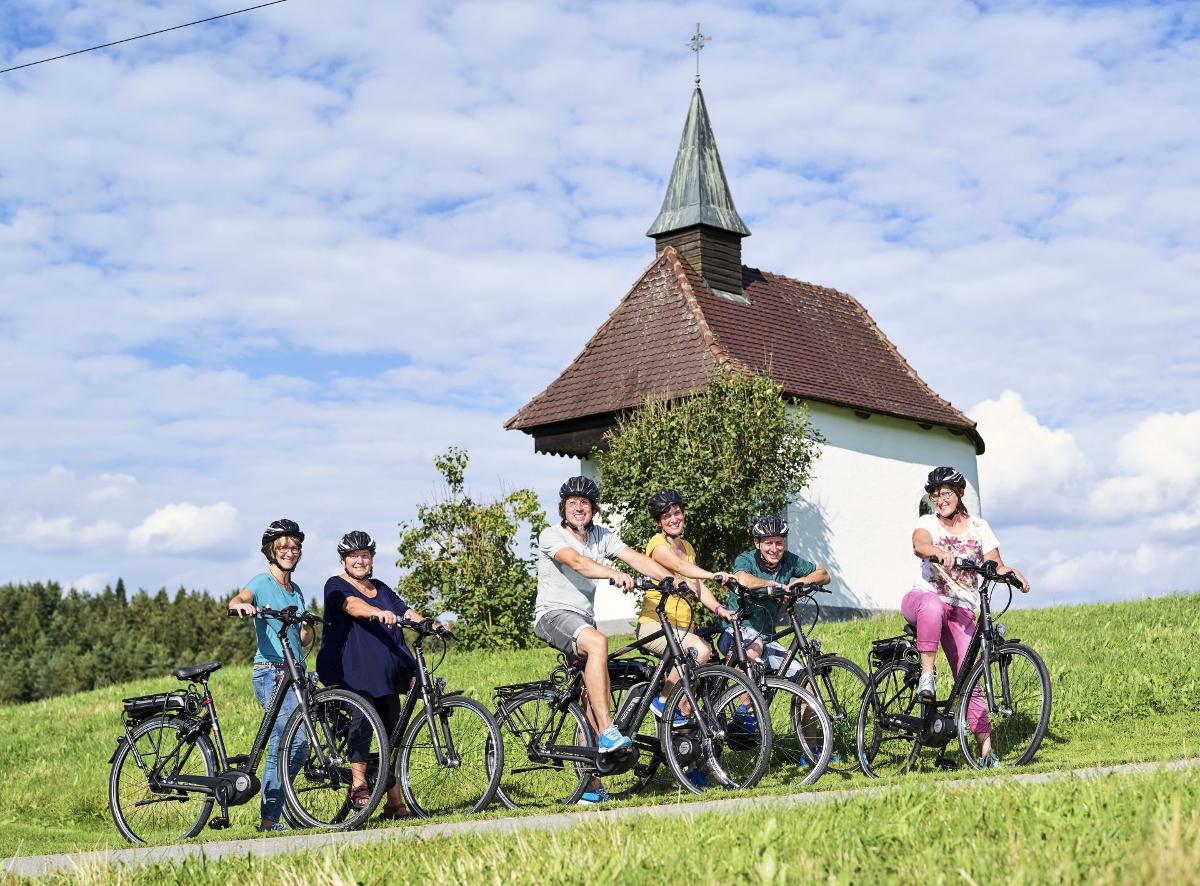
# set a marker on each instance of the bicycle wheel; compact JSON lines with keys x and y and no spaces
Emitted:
{"x":316,"y":772}
{"x":145,"y":814}
{"x":1021,"y":691}
{"x":647,"y":769}
{"x":530,"y":724}
{"x":884,"y":746}
{"x":803,"y":734}
{"x":740,"y":748}
{"x":840,"y":684}
{"x":456,"y":766}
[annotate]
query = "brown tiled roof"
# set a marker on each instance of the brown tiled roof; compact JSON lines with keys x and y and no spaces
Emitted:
{"x":669,"y":330}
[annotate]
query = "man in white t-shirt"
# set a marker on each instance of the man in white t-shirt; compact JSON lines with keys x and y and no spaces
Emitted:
{"x":570,"y":564}
{"x":945,"y":610}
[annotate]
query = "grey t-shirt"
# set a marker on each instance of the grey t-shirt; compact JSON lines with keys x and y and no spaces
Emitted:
{"x":561,"y":587}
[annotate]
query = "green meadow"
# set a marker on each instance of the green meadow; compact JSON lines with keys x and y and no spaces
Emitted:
{"x":1126,"y":686}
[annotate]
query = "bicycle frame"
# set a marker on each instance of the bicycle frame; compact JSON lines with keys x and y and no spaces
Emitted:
{"x":429,"y":691}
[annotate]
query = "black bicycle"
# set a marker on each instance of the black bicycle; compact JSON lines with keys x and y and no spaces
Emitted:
{"x":1003,"y":673}
{"x":550,"y":752}
{"x":449,"y":757}
{"x":803,"y":732}
{"x":839,"y":682}
{"x":170,"y":765}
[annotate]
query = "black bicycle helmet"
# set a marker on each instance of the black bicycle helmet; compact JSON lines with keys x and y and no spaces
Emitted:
{"x":355,"y":541}
{"x":581,"y":486}
{"x":767,"y":527}
{"x":284,"y":528}
{"x":945,"y":477}
{"x":662,"y":501}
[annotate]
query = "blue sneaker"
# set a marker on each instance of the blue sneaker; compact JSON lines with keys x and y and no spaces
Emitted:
{"x":611,"y":740}
{"x":817,"y":749}
{"x":745,"y":720}
{"x":271,"y":829}
{"x":657,"y":708}
{"x":698,"y":778}
{"x":598,"y":795}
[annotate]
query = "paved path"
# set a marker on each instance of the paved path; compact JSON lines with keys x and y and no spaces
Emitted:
{"x":37,"y":865}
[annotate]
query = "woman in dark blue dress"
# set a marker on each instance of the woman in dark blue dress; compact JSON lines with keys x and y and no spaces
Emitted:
{"x":363,"y":649}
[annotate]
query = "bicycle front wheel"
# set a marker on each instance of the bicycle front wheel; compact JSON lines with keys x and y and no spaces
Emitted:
{"x":145,"y":810}
{"x":840,"y":684}
{"x":885,"y":743}
{"x":736,"y":720}
{"x":316,"y":766}
{"x":531,"y":725}
{"x":803,"y":734}
{"x":451,"y":759}
{"x":1021,"y":712}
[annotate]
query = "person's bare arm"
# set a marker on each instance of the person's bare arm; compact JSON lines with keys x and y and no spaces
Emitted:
{"x":817,"y":577}
{"x":589,"y":568}
{"x":924,"y":548}
{"x":642,"y":563}
{"x":243,"y":603}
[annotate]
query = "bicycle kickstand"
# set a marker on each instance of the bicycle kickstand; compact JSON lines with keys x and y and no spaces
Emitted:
{"x":944,"y":762}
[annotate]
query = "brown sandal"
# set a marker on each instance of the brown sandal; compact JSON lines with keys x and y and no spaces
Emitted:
{"x":360,"y":796}
{"x":395,"y":813}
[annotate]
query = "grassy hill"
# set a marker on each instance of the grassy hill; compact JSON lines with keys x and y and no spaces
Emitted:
{"x":1126,"y":681}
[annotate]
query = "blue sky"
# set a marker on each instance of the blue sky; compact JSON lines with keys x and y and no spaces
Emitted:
{"x":273,"y":265}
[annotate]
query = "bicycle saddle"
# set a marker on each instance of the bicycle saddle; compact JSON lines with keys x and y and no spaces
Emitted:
{"x":910,"y":629}
{"x":195,"y":672}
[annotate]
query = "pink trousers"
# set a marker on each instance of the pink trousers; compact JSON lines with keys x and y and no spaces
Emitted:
{"x":953,"y":625}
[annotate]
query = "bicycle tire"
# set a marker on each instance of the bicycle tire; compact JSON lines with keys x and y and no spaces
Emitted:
{"x":143,"y":815}
{"x":1022,"y":719}
{"x":802,"y":733}
{"x":885,"y":750}
{"x":527,"y":779}
{"x":317,"y":793}
{"x":738,"y":757}
{"x":648,"y":766}
{"x":840,"y":684}
{"x":469,"y":741}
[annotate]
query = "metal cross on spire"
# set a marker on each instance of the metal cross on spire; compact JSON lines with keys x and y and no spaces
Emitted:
{"x":696,"y":44}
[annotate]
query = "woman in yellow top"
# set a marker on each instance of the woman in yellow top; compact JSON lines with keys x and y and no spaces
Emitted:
{"x":670,"y":551}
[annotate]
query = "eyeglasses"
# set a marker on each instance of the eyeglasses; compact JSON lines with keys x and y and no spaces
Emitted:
{"x":360,"y":555}
{"x":287,"y":550}
{"x":941,"y":496}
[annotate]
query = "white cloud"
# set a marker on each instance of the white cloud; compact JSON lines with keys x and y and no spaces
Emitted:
{"x":185,"y":528}
{"x":1159,"y":471}
{"x":1027,"y":467}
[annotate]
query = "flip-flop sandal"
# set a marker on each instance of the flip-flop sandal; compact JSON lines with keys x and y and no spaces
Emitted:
{"x":360,"y":796}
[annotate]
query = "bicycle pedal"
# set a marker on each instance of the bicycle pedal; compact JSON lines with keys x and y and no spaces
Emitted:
{"x":218,"y":823}
{"x":946,"y":764}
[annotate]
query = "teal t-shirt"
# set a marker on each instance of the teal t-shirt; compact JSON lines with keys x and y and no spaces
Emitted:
{"x":764,"y":614}
{"x":268,"y":592}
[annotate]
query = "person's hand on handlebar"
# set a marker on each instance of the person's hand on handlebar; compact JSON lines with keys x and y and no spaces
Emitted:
{"x":242,"y":609}
{"x":622,"y":580}
{"x":385,"y":617}
{"x":1008,"y":570}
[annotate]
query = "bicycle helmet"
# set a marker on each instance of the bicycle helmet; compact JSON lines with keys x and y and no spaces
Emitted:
{"x":355,"y":541}
{"x":767,"y":527}
{"x":662,"y":501}
{"x":284,"y":528}
{"x":945,"y":477}
{"x":581,"y":486}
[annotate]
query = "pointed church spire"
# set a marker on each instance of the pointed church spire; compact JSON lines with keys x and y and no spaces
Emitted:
{"x":698,"y":193}
{"x":698,"y":217}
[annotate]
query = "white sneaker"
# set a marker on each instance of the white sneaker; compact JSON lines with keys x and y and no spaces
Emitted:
{"x":927,"y":688}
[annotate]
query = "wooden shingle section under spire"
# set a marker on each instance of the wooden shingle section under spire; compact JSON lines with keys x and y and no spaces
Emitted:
{"x":669,"y":331}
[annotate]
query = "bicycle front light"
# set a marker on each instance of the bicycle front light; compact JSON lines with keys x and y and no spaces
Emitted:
{"x":1001,"y":631}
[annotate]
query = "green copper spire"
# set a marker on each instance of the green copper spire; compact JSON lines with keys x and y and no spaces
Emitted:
{"x":698,"y":193}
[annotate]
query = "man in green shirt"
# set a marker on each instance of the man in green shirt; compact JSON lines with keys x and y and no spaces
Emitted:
{"x":769,"y":563}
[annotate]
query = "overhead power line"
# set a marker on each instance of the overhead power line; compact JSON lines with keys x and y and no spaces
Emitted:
{"x":140,"y":36}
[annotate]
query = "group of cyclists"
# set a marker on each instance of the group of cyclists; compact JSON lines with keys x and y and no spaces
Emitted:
{"x":360,"y":652}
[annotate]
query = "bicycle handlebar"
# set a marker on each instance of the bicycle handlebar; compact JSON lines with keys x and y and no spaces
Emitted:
{"x":987,"y":569}
{"x":421,"y":627}
{"x":666,"y":586}
{"x":289,"y":615}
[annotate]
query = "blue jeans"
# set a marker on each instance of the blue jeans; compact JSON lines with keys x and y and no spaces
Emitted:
{"x":773,"y":653}
{"x":265,"y":681}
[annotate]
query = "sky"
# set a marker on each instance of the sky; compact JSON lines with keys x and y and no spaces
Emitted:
{"x":272,"y":265}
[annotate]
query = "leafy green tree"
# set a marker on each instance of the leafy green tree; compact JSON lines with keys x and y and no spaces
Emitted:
{"x":736,"y":451}
{"x":463,"y":557}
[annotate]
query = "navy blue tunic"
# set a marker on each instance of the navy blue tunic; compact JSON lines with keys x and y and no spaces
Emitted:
{"x":360,"y":654}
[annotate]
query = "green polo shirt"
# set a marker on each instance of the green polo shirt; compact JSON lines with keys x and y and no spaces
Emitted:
{"x":765,"y":614}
